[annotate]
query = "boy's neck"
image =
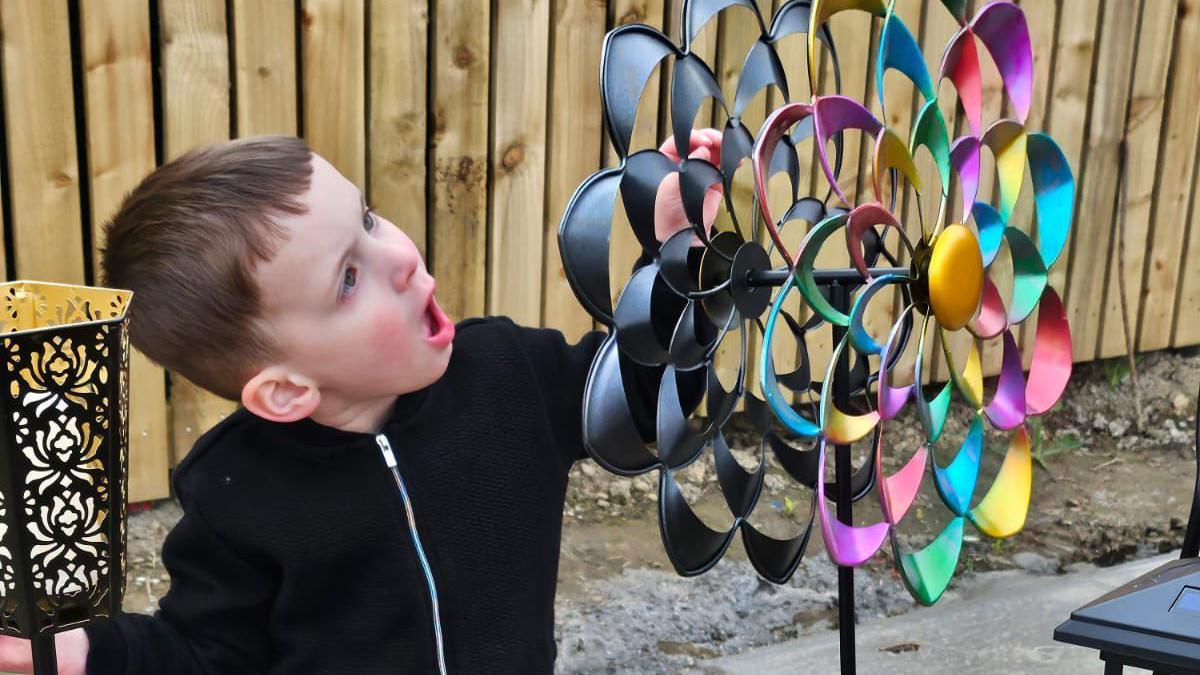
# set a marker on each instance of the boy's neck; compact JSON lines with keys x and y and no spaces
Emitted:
{"x":364,"y":417}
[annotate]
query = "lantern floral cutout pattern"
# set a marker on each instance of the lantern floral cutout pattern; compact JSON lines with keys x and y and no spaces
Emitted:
{"x":950,"y":284}
{"x":57,"y":407}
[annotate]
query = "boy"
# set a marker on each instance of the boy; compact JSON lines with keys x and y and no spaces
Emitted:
{"x":388,"y":499}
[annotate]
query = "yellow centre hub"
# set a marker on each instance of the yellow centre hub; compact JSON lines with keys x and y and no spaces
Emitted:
{"x":955,"y":277}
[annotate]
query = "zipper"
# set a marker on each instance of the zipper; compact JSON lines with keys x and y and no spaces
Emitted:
{"x":390,"y":458}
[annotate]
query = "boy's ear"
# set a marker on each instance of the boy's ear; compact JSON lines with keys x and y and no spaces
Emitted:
{"x":280,"y":395}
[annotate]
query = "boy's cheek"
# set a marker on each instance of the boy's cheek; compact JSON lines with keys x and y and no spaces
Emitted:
{"x":392,"y":336}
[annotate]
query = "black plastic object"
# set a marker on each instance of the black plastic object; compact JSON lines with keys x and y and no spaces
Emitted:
{"x":1152,"y":622}
{"x":696,"y":302}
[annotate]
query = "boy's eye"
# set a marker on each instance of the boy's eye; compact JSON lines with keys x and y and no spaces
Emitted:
{"x":349,"y":280}
{"x":368,"y":220}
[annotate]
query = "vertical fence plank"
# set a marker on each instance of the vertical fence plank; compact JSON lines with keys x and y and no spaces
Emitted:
{"x":195,"y":93}
{"x":1187,"y":310}
{"x":1143,"y":130}
{"x":396,"y":114}
{"x":1187,"y":315}
{"x":458,"y":226}
{"x":573,"y":143}
{"x":1094,"y":219}
{"x":120,"y":141}
{"x":333,"y":78}
{"x":518,"y":164}
{"x":43,"y":166}
{"x":1067,"y":119}
{"x":1175,"y":167}
{"x":264,"y":45}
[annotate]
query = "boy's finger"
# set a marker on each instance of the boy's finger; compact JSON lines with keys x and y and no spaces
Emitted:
{"x":701,"y":153}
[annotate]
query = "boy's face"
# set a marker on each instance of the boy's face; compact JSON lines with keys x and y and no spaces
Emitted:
{"x":349,"y":301}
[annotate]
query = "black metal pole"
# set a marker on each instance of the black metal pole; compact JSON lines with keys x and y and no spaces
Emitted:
{"x":45,"y":659}
{"x":839,"y":297}
{"x":848,"y":275}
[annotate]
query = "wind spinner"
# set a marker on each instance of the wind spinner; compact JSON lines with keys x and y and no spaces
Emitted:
{"x":675,"y":312}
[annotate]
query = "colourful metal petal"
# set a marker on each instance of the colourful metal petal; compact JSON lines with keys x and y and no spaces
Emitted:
{"x":992,"y":319}
{"x":930,"y":132}
{"x":840,"y":427}
{"x":768,"y":381}
{"x":960,"y":63}
{"x":846,"y":545}
{"x":898,"y":50}
{"x":958,"y":8}
{"x":1051,"y":367}
{"x":927,"y":572}
{"x":897,"y":491}
{"x":1006,"y":139}
{"x":1002,"y":511}
{"x":991,"y":230}
{"x":821,"y":11}
{"x":832,"y":115}
{"x":772,"y":131}
{"x":956,"y":482}
{"x":931,"y":413}
{"x":892,"y":153}
{"x":863,"y":218}
{"x":1054,"y":195}
{"x":1002,"y":28}
{"x":891,"y":400}
{"x":1006,"y":410}
{"x":806,"y":258}
{"x":969,"y":377}
{"x":964,"y":160}
{"x":1029,"y":275}
{"x":859,"y":337}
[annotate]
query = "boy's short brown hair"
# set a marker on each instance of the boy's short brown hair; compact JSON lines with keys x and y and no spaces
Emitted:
{"x":186,"y":241}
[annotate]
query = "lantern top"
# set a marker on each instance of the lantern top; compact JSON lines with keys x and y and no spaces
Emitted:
{"x":29,"y":306}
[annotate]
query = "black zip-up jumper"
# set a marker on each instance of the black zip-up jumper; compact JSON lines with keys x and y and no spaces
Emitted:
{"x":295,"y":556}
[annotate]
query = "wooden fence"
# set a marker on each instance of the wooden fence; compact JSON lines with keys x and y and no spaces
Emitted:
{"x":469,"y":123}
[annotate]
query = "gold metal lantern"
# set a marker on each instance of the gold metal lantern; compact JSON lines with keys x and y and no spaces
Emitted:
{"x":64,"y":439}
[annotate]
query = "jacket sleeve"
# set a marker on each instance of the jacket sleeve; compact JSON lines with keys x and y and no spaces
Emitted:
{"x":212,"y":621}
{"x":561,"y":370}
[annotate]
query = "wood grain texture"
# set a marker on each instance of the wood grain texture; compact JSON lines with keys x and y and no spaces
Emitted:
{"x":195,"y":90}
{"x":573,"y":145}
{"x":1067,"y":117}
{"x":1187,"y":311}
{"x":43,"y":164}
{"x":1143,"y":129}
{"x":459,"y":138}
{"x":518,"y":164}
{"x":396,"y":126}
{"x":264,"y":45}
{"x":1094,"y":220}
{"x":1181,"y":130}
{"x":332,"y":34}
{"x":120,"y":141}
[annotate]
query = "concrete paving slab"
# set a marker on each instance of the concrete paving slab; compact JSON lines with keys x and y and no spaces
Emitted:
{"x":1000,"y":622}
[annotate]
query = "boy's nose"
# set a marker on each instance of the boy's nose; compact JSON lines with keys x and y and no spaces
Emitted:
{"x":406,"y":260}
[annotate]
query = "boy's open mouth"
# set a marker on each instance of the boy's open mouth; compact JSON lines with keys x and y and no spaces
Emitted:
{"x":439,"y":330}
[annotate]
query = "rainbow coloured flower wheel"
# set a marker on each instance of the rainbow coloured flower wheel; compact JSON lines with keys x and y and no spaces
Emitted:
{"x":950,"y":284}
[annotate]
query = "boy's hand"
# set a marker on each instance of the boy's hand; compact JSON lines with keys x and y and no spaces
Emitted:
{"x":71,"y":646}
{"x":669,"y":216}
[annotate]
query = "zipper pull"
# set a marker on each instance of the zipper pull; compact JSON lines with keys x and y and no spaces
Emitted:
{"x":386,"y":448}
